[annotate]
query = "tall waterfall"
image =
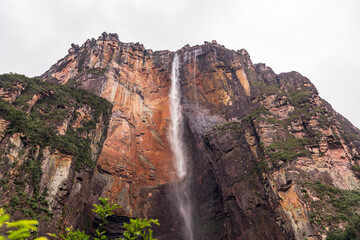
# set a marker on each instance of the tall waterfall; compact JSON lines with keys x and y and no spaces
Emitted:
{"x":181,"y":190}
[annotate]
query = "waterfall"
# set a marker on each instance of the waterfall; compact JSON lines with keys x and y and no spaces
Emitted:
{"x":181,"y":189}
{"x":177,"y":126}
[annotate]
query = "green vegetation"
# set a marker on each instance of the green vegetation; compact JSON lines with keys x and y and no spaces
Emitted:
{"x":139,"y":228}
{"x":262,"y":167}
{"x":104,"y":210}
{"x":300,"y":97}
{"x":351,"y":232}
{"x":231,"y":126}
{"x":72,"y":234}
{"x":275,"y":121}
{"x":4,"y":183}
{"x":356,"y":170}
{"x":333,"y":207}
{"x":256,"y":113}
{"x":37,"y":124}
{"x":291,"y":148}
{"x":21,"y":229}
{"x":272,"y":89}
{"x":97,"y":71}
{"x":136,"y":229}
{"x":288,"y":150}
{"x":58,"y":104}
{"x":286,"y":147}
{"x":33,"y":205}
{"x":349,"y":133}
{"x":343,"y":201}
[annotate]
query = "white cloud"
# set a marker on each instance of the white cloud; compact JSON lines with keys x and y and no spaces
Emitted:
{"x":320,"y":39}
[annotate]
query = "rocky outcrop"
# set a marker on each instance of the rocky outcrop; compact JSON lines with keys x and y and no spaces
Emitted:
{"x":270,"y":159}
{"x":11,"y":93}
{"x":37,"y":97}
{"x":135,"y":161}
{"x":51,"y":137}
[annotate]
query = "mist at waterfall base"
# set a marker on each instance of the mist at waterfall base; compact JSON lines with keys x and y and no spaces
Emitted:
{"x":181,"y":191}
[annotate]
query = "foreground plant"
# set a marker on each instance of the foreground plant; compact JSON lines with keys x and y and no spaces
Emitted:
{"x":72,"y":234}
{"x":136,"y":229}
{"x":104,"y":210}
{"x":21,"y":229}
{"x":139,"y":228}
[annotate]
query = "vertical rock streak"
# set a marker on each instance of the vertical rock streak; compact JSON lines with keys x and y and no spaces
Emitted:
{"x":194,"y":78}
{"x":181,"y":190}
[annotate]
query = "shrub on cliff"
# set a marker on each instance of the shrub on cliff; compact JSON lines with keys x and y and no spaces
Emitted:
{"x":351,"y":232}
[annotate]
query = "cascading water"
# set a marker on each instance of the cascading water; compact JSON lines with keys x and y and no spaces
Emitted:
{"x":176,"y":131}
{"x":181,"y":190}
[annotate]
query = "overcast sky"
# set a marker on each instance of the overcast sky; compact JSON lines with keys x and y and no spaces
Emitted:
{"x":318,"y":38}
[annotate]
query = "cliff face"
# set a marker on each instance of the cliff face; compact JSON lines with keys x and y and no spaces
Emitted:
{"x":135,"y":163}
{"x":269,"y":158}
{"x":51,"y":137}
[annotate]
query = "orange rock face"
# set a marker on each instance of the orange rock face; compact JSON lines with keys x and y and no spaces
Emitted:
{"x":136,"y":152}
{"x":255,"y":139}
